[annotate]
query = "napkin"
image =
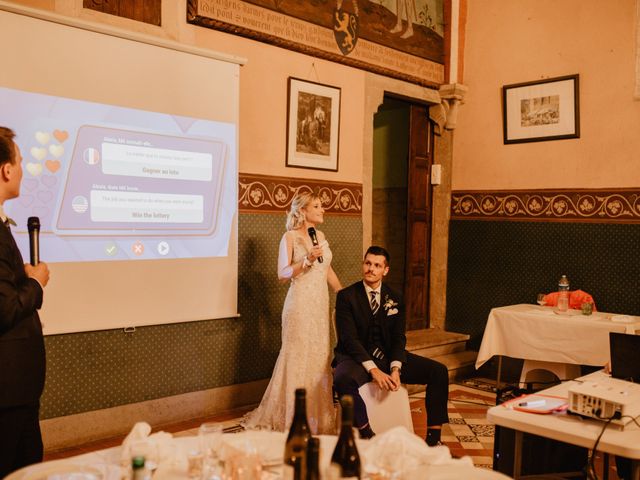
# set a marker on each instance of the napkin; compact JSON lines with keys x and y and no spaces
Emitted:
{"x":162,"y":442}
{"x":576,"y":299}
{"x":140,"y":431}
{"x":404,"y":452}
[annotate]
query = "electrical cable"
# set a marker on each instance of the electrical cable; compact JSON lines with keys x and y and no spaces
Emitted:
{"x":591,"y":469}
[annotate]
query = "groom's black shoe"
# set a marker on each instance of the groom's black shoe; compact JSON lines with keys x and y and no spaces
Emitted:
{"x":433,"y":436}
{"x":366,"y":432}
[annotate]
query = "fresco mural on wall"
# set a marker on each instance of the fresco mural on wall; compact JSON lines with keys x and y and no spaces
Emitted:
{"x":412,"y":26}
{"x":399,"y":38}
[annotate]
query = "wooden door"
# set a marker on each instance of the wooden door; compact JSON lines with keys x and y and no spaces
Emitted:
{"x":416,"y":291}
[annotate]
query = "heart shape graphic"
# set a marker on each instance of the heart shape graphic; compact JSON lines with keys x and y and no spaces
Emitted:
{"x":60,"y":135}
{"x":56,"y":150}
{"x":34,"y":169}
{"x":45,"y":196}
{"x":41,"y":212}
{"x":43,"y":138}
{"x":48,"y":180}
{"x":38,"y":152}
{"x":26,"y":200}
{"x":52,"y":165}
{"x":29,"y":184}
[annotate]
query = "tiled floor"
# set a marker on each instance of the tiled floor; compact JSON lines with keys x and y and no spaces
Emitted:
{"x":468,"y":432}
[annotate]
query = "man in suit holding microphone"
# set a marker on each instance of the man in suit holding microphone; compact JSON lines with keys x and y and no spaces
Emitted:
{"x":22,"y":355}
{"x":371,"y":347}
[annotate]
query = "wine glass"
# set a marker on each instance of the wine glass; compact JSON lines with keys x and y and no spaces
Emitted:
{"x":541,"y":299}
{"x":210,"y":439}
{"x":246,"y":463}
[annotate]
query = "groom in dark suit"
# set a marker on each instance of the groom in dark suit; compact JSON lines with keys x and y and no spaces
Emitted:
{"x":22,"y":357}
{"x":371,"y":347}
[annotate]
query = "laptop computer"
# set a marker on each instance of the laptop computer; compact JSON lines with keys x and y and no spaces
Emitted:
{"x":625,"y":356}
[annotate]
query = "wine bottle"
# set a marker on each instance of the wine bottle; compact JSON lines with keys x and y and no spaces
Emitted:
{"x":346,"y":453}
{"x":295,"y":450}
{"x":138,"y":471}
{"x":313,"y":459}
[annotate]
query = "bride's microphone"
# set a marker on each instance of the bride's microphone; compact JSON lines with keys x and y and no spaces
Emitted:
{"x":314,"y":239}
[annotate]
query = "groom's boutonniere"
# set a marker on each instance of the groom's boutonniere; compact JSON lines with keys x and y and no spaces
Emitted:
{"x":390,"y":306}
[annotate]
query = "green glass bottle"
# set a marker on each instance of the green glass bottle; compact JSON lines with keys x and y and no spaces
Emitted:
{"x":138,"y":471}
{"x":346,"y":453}
{"x":313,"y":459}
{"x":296,"y":448}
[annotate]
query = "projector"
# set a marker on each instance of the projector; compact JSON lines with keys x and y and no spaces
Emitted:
{"x":606,"y":398}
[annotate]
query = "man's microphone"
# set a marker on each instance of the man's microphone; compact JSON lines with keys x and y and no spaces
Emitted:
{"x":314,"y":239}
{"x":33,"y":224}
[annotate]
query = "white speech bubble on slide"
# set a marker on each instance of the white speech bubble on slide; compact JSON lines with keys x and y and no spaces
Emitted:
{"x":150,"y":162}
{"x":139,"y":207}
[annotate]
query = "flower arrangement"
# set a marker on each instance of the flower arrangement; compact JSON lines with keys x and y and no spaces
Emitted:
{"x":390,"y":305}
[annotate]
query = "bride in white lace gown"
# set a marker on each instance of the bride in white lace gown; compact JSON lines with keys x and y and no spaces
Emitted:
{"x":306,"y":351}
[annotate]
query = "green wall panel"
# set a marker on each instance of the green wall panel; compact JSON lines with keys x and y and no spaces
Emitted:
{"x":94,"y":370}
{"x":496,"y":263}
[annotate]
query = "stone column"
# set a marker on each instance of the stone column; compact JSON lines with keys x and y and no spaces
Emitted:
{"x":444,"y":116}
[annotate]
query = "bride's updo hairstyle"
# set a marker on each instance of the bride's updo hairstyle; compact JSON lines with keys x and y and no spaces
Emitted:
{"x":295,"y":216}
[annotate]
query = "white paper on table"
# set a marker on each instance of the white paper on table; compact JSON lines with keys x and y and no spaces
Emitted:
{"x":622,"y":319}
{"x":540,"y":311}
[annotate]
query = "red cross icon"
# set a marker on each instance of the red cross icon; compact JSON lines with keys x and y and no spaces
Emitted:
{"x":137,"y":248}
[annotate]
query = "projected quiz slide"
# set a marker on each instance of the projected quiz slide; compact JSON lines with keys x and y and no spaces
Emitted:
{"x":114,"y":183}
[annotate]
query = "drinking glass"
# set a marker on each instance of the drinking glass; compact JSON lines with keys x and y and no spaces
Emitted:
{"x":194,"y":464}
{"x":243,"y":462}
{"x":210,"y":439}
{"x":541,"y":300}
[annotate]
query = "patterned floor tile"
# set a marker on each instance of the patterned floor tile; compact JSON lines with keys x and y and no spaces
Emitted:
{"x":474,"y":445}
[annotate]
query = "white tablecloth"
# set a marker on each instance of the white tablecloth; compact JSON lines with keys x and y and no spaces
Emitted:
{"x":571,"y":428}
{"x":269,"y":444}
{"x":538,"y":333}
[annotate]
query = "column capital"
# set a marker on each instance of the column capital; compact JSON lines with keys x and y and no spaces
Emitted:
{"x":445,"y":114}
{"x":453,"y":90}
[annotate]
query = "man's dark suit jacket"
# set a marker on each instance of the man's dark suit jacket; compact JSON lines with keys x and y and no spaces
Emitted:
{"x":22,"y":355}
{"x":354,"y":319}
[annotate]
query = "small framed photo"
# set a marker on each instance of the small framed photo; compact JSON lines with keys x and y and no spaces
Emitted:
{"x":541,"y":110}
{"x":313,"y":125}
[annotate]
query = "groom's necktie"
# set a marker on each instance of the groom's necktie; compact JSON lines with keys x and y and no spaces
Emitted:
{"x":375,"y":339}
{"x":374,"y":301}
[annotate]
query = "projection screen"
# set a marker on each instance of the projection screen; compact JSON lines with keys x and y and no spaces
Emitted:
{"x":129,"y":150}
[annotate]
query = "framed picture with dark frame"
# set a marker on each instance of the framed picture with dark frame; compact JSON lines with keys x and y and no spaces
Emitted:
{"x":313,"y":125}
{"x":541,"y":110}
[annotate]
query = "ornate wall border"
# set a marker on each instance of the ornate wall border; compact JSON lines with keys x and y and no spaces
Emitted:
{"x":267,"y":194}
{"x":594,"y":205}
